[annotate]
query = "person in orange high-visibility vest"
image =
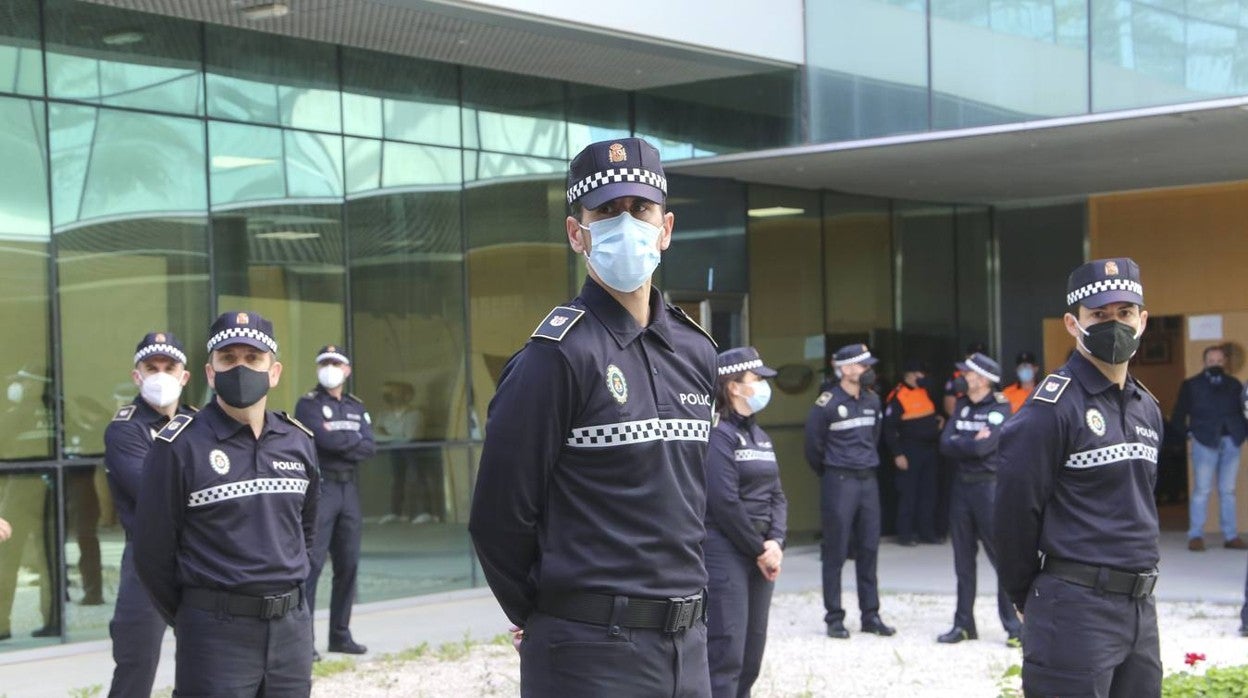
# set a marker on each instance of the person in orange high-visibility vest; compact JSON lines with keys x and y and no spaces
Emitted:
{"x":1025,"y":368}
{"x":912,"y":435}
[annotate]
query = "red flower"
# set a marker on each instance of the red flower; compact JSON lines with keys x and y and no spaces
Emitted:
{"x":1193,"y":657}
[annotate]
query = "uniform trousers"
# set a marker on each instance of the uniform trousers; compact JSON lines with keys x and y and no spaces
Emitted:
{"x":916,"y":492}
{"x":850,"y":509}
{"x":1243,"y":612}
{"x":225,"y":656}
{"x":739,"y":599}
{"x":566,"y":658}
{"x":1079,"y":642}
{"x":339,"y":526}
{"x":136,"y":630}
{"x":970,"y":524}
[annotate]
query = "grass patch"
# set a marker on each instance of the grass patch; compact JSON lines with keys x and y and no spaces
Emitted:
{"x":330,"y":667}
{"x":86,"y":691}
{"x":453,"y":651}
{"x":408,"y":654}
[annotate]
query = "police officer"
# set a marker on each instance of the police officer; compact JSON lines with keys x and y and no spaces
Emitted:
{"x":224,"y":524}
{"x":970,"y":440}
{"x":588,"y":511}
{"x":1076,"y":522}
{"x":137,"y":628}
{"x":1025,"y":367}
{"x":842,"y":432}
{"x":344,"y":437}
{"x":912,"y":434}
{"x":746,"y":516}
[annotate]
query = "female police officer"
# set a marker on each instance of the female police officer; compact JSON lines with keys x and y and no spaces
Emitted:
{"x":745,"y":524}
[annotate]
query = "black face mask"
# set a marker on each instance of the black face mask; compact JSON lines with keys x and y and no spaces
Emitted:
{"x":241,"y":387}
{"x":1215,"y":371}
{"x":867,"y":378}
{"x":1112,"y":342}
{"x":960,"y":386}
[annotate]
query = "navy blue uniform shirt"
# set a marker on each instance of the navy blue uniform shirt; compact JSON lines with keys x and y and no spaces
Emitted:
{"x":1075,"y":476}
{"x":342,"y":428}
{"x":958,"y":443}
{"x":126,"y":442}
{"x":220,"y":509}
{"x":743,"y":485}
{"x":843,"y":431}
{"x":593,"y":474}
{"x":1210,"y":410}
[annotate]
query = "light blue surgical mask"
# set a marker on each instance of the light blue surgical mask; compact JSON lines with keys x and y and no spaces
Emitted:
{"x":761,"y":396}
{"x":1026,"y":374}
{"x":623,"y":251}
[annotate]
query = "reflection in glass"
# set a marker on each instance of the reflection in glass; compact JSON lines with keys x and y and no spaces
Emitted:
{"x":399,"y":98}
{"x":92,"y":582}
{"x":21,"y":66}
{"x":708,"y":240}
{"x":29,"y":611}
{"x":595,"y":114}
{"x":374,"y":165}
{"x":510,"y":113}
{"x":121,"y":58}
{"x":261,"y":164}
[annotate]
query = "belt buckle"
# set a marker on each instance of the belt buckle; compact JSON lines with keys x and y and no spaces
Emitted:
{"x":680,"y":612}
{"x":1145,"y":582}
{"x":276,"y":606}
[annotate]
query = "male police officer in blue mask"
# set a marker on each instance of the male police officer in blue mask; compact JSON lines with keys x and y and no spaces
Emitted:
{"x":1076,"y":522}
{"x":588,"y":511}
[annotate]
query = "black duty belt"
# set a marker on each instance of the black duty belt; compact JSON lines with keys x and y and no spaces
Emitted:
{"x":856,"y":473}
{"x":1137,"y":585}
{"x":338,"y":475}
{"x":669,"y":615}
{"x":761,"y":526}
{"x":976,"y":478}
{"x":264,"y":607}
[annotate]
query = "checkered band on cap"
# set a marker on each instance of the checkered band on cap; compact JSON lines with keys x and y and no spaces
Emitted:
{"x":165,"y":349}
{"x":239,"y":332}
{"x":970,"y":363}
{"x":738,"y":368}
{"x":853,"y":359}
{"x":1102,"y":286}
{"x":615,"y":176}
{"x":332,"y":356}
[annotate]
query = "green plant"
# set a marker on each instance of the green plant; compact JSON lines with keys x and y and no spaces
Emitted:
{"x":451,"y":651}
{"x":1216,"y":682}
{"x":86,"y":691}
{"x":1010,"y":683}
{"x":407,"y":654}
{"x":329,"y":667}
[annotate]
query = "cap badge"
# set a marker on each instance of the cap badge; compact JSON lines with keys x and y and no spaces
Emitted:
{"x":616,"y":153}
{"x":160,"y":337}
{"x":558,"y":320}
{"x":242,"y":319}
{"x":219,"y":461}
{"x":1111,"y":268}
{"x":331,"y":348}
{"x":1096,"y":421}
{"x":616,"y":384}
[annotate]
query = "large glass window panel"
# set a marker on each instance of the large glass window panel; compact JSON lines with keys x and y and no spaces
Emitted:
{"x":25,"y":426}
{"x":286,"y":263}
{"x":400,"y":98}
{"x":93,"y":545}
{"x":595,"y":114}
{"x":708,"y":250}
{"x":271,"y":79}
{"x":858,"y":277}
{"x":21,"y":65}
{"x":866,"y":68}
{"x":509,"y":113}
{"x":974,"y":281}
{"x":121,"y":58}
{"x":408,"y":313}
{"x":28,"y":560}
{"x":1039,"y":65}
{"x":262,"y":164}
{"x":926,"y":235}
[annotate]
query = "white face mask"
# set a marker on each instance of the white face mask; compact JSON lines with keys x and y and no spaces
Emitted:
{"x":160,"y":390}
{"x":623,"y":251}
{"x":330,"y":377}
{"x":16,"y":392}
{"x":761,"y":396}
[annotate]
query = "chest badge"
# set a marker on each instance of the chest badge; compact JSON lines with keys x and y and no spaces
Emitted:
{"x":1096,"y":421}
{"x":219,"y":461}
{"x":616,"y":384}
{"x":965,"y":411}
{"x":995,"y":418}
{"x":329,"y":414}
{"x":841,"y":411}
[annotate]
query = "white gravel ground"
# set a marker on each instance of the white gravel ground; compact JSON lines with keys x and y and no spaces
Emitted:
{"x":800,"y":661}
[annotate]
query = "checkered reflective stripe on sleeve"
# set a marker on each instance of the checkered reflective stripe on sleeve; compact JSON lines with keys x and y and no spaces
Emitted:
{"x":1111,"y":454}
{"x":1102,"y":286}
{"x":247,"y":488}
{"x":615,"y":176}
{"x":744,"y":454}
{"x":852,"y":423}
{"x":640,"y":431}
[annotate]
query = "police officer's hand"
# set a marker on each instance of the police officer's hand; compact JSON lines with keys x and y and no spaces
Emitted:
{"x":983,"y":434}
{"x":5,"y":530}
{"x":517,"y":636}
{"x":770,"y":559}
{"x":901,"y":462}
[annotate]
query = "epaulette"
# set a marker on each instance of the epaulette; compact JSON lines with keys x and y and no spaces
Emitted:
{"x":310,"y":394}
{"x":353,"y":397}
{"x":1051,"y":388}
{"x":680,"y":313}
{"x":191,"y":408}
{"x":124,"y":414}
{"x":1001,"y":398}
{"x":290,"y":418}
{"x":174,"y":427}
{"x":1146,"y":390}
{"x":823,"y":398}
{"x":714,"y":419}
{"x":557,"y":323}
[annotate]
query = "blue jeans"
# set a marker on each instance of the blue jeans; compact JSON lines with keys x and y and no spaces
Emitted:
{"x":1221,"y":462}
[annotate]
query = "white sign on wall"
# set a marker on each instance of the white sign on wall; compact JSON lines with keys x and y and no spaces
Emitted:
{"x":1204,"y":328}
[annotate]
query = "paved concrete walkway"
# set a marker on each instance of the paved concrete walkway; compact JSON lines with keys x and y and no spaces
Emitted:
{"x":1216,"y":575}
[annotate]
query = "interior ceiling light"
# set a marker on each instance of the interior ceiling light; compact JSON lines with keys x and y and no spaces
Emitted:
{"x":775,"y":211}
{"x":267,"y":10}
{"x":287,"y":235}
{"x":122,"y":38}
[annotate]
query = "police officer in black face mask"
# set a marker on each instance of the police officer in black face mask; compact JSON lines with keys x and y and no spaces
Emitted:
{"x":225,"y":519}
{"x":1076,"y":522}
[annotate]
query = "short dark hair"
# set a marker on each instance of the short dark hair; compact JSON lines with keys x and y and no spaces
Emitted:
{"x":1215,"y":347}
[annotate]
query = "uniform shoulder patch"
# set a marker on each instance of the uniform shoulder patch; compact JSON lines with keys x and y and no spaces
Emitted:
{"x":354,"y":397}
{"x":310,"y":394}
{"x":1146,"y":390}
{"x":124,"y":414}
{"x":557,"y":323}
{"x":680,"y":313}
{"x":1051,"y":388}
{"x":823,"y":398}
{"x":174,"y":427}
{"x":192,"y":408}
{"x":292,"y":420}
{"x":1001,"y":397}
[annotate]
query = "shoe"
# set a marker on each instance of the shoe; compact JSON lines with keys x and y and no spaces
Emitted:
{"x":876,"y":626}
{"x":838,"y":631}
{"x":1196,"y":544}
{"x":392,"y":518}
{"x":1236,"y":543}
{"x":47,"y":631}
{"x":1014,"y":639}
{"x":316,"y":656}
{"x":424,"y":518}
{"x":348,"y":647}
{"x":956,"y":635}
{"x":907,"y":542}
{"x":92,"y":601}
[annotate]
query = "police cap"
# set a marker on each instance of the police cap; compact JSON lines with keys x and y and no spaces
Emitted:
{"x":610,"y":169}
{"x":853,"y":354}
{"x":1025,"y":357}
{"x":242,"y":327}
{"x":742,"y":359}
{"x":160,"y":344}
{"x":983,"y":365}
{"x":333,"y":352}
{"x":1103,"y":281}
